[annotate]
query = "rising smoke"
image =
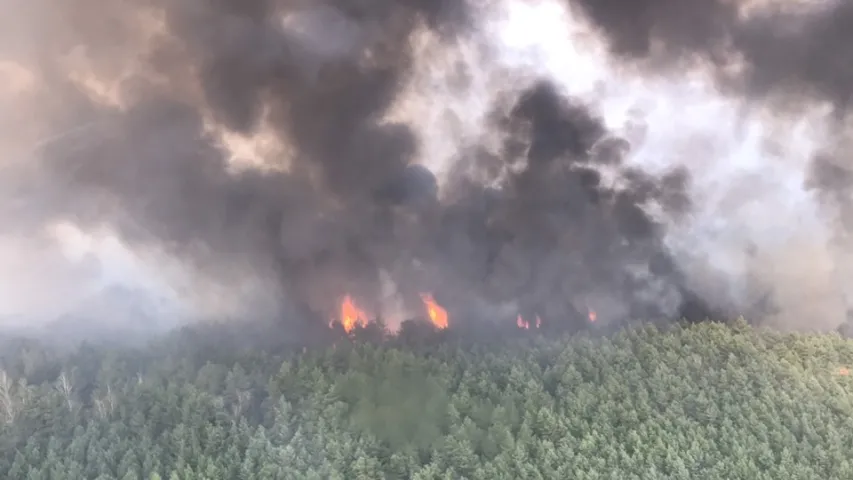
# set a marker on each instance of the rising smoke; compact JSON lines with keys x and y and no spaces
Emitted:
{"x":645,"y":158}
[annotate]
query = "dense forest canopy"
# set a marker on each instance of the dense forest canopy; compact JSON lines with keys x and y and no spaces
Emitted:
{"x":708,"y":401}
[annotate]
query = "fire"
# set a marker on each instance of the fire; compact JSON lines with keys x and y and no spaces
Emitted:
{"x":351,"y":315}
{"x":436,"y":313}
{"x":520,"y":322}
{"x":844,"y":371}
{"x":593,"y":316}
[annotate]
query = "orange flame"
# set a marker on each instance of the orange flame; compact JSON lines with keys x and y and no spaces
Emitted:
{"x":351,"y":315}
{"x":520,"y":322}
{"x":593,"y":316}
{"x":436,"y":313}
{"x":844,"y":371}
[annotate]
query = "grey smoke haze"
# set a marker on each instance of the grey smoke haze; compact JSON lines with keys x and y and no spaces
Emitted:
{"x":123,"y":111}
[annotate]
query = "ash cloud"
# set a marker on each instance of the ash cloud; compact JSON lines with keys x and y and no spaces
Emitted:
{"x":553,"y":221}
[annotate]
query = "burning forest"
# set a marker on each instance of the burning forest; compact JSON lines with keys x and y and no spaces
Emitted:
{"x":421,"y":239}
{"x":539,"y":164}
{"x":352,"y":316}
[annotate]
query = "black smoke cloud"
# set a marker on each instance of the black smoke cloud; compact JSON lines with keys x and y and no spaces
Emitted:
{"x":157,"y":176}
{"x":797,"y":50}
{"x":346,"y":201}
{"x":554,"y":237}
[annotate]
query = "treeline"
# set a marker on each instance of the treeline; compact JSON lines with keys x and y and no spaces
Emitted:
{"x":705,"y":401}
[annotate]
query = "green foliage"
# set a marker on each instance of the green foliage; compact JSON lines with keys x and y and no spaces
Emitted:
{"x":705,"y":401}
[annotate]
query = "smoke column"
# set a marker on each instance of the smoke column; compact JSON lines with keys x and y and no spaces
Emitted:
{"x":644,"y":159}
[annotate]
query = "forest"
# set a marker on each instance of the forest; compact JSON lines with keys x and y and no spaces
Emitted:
{"x":709,"y":400}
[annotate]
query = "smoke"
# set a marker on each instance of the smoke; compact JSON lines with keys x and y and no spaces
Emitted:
{"x":781,"y":66}
{"x":262,"y":158}
{"x":790,"y":49}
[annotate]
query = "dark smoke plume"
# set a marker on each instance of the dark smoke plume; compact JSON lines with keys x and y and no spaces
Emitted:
{"x":794,"y":49}
{"x":554,"y":237}
{"x":346,"y":203}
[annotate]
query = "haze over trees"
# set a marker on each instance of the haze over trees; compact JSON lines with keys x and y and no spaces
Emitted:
{"x":705,"y":401}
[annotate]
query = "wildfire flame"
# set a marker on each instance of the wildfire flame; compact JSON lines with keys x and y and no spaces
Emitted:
{"x":436,"y":313}
{"x":351,"y":315}
{"x":593,"y":316}
{"x":520,"y":322}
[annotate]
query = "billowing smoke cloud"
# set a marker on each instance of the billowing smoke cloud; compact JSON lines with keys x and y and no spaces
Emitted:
{"x":785,"y":63}
{"x":793,"y":49}
{"x":639,"y":159}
